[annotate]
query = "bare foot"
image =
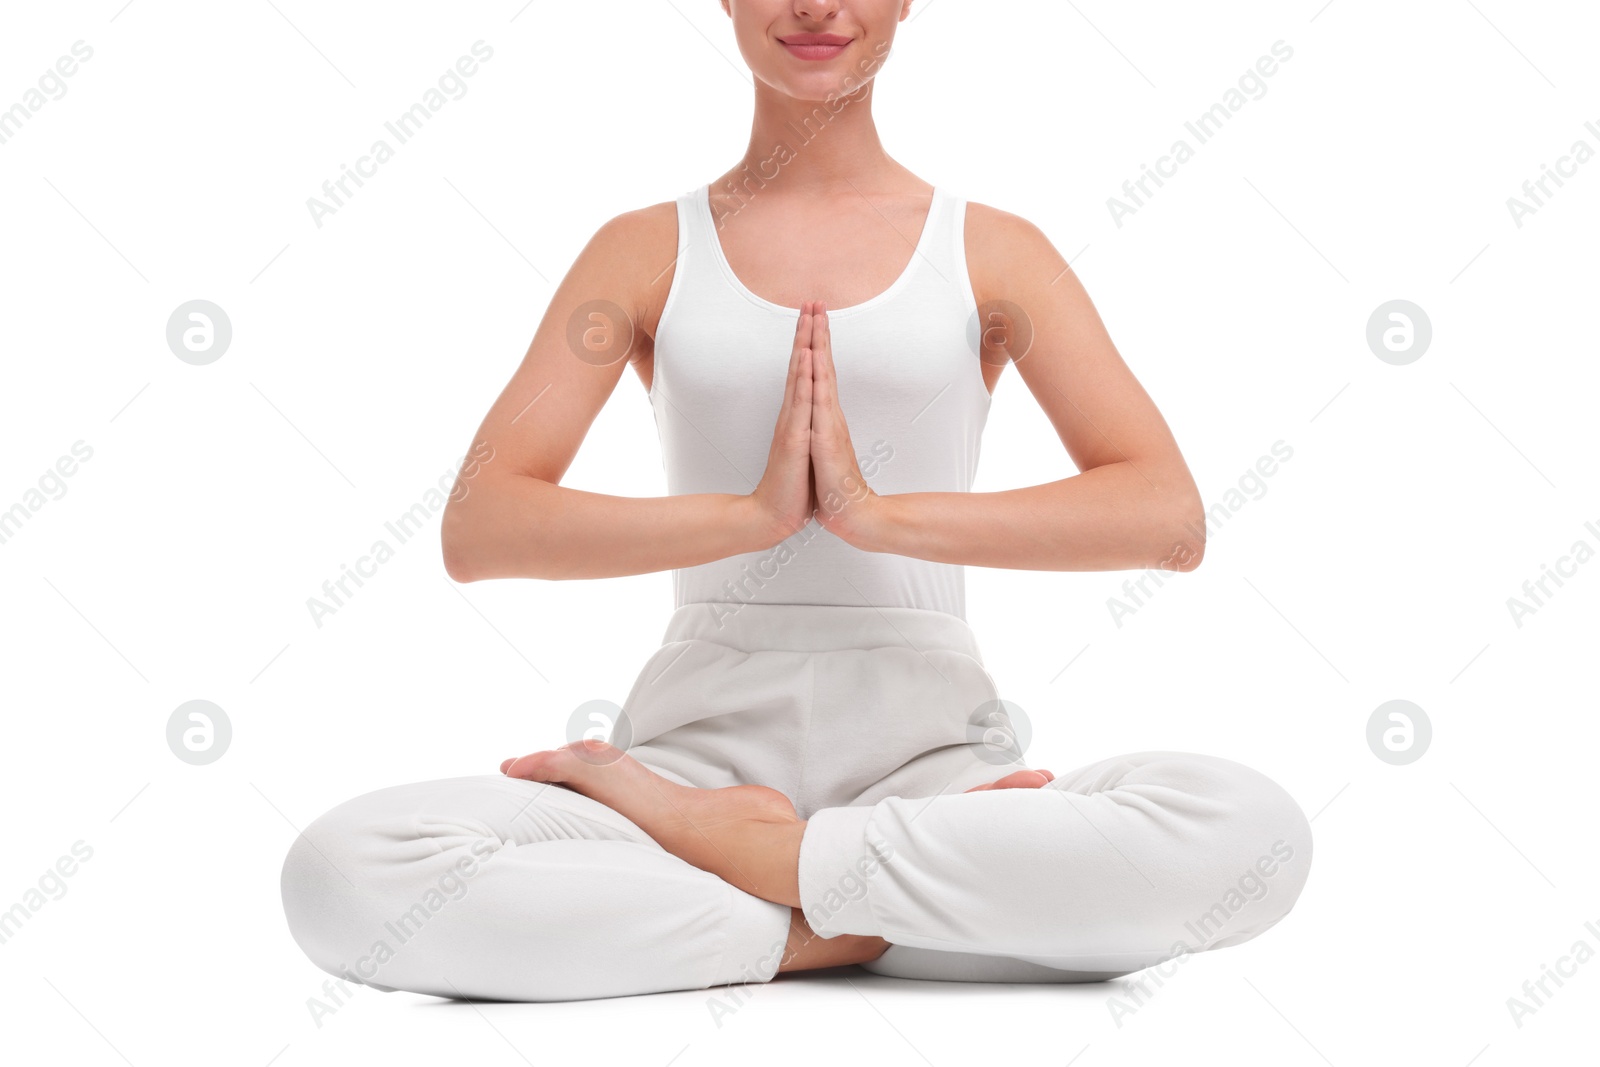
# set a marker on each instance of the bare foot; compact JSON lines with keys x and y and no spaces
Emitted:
{"x":747,"y":835}
{"x":805,"y":951}
{"x":1017,"y":780}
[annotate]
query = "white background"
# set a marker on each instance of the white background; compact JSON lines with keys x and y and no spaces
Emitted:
{"x":1377,"y":564}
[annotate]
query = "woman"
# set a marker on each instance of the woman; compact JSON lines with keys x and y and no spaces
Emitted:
{"x":817,"y":768}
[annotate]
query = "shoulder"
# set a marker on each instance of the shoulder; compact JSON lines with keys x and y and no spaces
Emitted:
{"x":634,"y":254}
{"x":656,"y":224}
{"x":635,"y":237}
{"x":1004,"y":249}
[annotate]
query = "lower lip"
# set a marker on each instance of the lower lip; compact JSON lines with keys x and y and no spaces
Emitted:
{"x":815,"y":52}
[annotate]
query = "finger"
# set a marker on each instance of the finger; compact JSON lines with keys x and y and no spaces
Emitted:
{"x":797,"y":390}
{"x":821,"y":371}
{"x":802,"y":329}
{"x":821,"y":334}
{"x":821,"y":344}
{"x":805,"y":385}
{"x":802,"y":338}
{"x":829,"y":435}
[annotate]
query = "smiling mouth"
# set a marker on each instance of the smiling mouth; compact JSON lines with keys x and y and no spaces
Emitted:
{"x":815,"y":46}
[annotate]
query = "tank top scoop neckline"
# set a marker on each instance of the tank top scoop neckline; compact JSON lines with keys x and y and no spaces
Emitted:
{"x":937,"y":203}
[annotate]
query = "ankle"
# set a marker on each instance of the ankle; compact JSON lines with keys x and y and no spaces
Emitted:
{"x":806,"y":951}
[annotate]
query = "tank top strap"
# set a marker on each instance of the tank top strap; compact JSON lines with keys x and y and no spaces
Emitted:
{"x":945,"y":247}
{"x":692,"y":226}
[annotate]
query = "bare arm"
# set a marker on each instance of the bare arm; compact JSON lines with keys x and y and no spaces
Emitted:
{"x":1134,"y":503}
{"x":509,"y":516}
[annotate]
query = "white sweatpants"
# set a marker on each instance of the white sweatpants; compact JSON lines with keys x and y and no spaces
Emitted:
{"x":873,"y":721}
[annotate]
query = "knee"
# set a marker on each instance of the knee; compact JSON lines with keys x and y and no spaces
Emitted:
{"x":327,"y":885}
{"x":1251,"y":841}
{"x":1261,"y":845}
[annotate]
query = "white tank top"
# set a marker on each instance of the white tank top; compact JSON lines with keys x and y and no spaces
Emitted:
{"x":910,"y":385}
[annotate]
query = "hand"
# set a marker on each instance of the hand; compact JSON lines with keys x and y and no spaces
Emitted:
{"x":846,"y":505}
{"x":786,"y":496}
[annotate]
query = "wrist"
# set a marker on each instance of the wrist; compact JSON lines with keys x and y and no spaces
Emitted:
{"x":880,"y":523}
{"x":758,"y":527}
{"x":866,"y":522}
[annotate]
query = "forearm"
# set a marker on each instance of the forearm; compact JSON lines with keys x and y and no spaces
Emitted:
{"x":1110,"y":517}
{"x":522,"y":527}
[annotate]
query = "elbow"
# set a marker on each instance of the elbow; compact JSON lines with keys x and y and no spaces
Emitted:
{"x":456,"y":546}
{"x":1184,"y":543}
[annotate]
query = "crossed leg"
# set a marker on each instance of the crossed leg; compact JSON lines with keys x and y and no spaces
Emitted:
{"x":492,"y":888}
{"x":626,"y":882}
{"x":1120,"y":865}
{"x":747,"y":835}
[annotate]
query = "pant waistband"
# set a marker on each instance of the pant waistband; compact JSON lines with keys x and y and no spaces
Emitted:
{"x":820,"y":627}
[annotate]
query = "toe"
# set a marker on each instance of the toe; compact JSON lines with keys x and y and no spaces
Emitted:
{"x":529,"y":767}
{"x":1017,"y":780}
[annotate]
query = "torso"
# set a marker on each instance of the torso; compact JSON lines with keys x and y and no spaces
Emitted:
{"x":904,"y":324}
